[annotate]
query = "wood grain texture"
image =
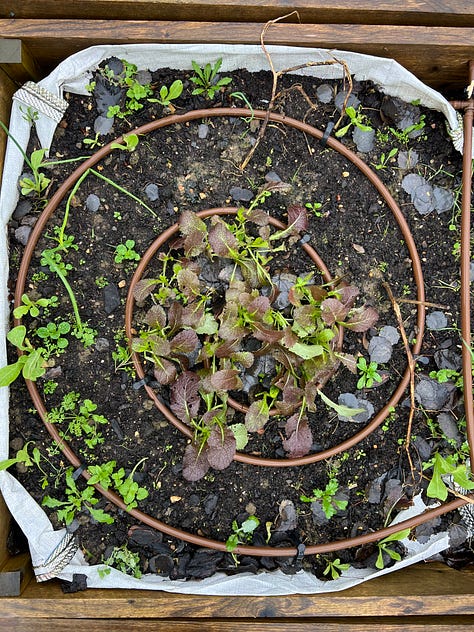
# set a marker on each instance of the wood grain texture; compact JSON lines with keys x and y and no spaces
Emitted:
{"x":411,"y":12}
{"x":437,"y":56}
{"x":446,"y":624}
{"x":17,"y":62}
{"x":7,"y":88}
{"x":425,"y":590}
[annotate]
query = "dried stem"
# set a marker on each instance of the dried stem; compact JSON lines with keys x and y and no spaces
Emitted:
{"x":411,"y":368}
{"x":276,"y":76}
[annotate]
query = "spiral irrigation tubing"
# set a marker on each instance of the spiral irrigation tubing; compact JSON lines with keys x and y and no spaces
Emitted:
{"x":268,"y":551}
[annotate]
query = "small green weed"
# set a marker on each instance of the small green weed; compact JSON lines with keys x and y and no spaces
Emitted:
{"x":123,"y":560}
{"x":368,"y":373}
{"x":207,"y":81}
{"x":384,"y":547}
{"x":329,"y":503}
{"x":77,"y":501}
{"x":126,"y":252}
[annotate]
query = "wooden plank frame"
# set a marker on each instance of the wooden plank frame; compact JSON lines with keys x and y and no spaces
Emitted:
{"x":439,"y":56}
{"x":435,"y":40}
{"x":406,"y":12}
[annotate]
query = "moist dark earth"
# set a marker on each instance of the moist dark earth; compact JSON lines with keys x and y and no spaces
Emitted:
{"x":195,"y":166}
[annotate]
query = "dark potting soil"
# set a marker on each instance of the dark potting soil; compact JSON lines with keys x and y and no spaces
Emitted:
{"x":194,"y":166}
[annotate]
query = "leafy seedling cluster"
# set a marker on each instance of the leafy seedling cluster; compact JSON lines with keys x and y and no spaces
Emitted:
{"x":204,"y":336}
{"x":327,"y":497}
{"x":207,"y":80}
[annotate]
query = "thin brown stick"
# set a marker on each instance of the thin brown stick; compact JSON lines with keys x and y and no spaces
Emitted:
{"x":411,"y":368}
{"x":276,"y":76}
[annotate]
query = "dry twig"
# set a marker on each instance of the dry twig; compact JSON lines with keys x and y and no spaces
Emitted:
{"x":276,"y":76}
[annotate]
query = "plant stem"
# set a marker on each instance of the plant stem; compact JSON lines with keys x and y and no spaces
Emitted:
{"x":20,"y":148}
{"x":52,"y":265}
{"x":122,"y":190}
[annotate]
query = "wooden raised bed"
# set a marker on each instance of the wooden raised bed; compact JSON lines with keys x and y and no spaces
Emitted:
{"x":435,"y":41}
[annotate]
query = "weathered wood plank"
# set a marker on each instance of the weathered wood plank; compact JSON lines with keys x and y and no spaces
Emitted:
{"x":412,"y":12}
{"x":15,"y":575}
{"x":437,"y":56}
{"x":447,"y":624}
{"x":427,"y":590}
{"x":17,"y":62}
{"x":7,"y":88}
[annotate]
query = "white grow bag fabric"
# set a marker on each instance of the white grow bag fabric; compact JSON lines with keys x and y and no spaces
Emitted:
{"x":54,"y":553}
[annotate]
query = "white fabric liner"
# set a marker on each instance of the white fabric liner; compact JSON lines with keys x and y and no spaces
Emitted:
{"x":72,"y":75}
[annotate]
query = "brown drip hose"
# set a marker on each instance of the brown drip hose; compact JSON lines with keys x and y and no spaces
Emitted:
{"x":381,"y":415}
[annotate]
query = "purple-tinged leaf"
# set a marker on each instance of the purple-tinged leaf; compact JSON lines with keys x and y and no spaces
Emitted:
{"x":318,"y":293}
{"x":191,"y":316}
{"x":226,"y":380}
{"x":257,"y":416}
{"x":175,"y":316}
{"x":297,"y":218}
{"x":235,"y":291}
{"x":299,"y":437}
{"x":189,"y":223}
{"x":188,"y":283}
{"x":250,"y":273}
{"x":267,"y":334}
{"x":156,"y":317}
{"x":245,"y":358}
{"x":194,"y":244}
{"x":333,"y":311}
{"x":259,"y":306}
{"x":165,"y":372}
{"x":257,"y":216}
{"x":348,"y":295}
{"x":220,"y":448}
{"x":361,"y":319}
{"x":195,"y":465}
{"x":184,"y":396}
{"x":221,"y":240}
{"x":291,"y":398}
{"x":226,"y":349}
{"x":143,"y":289}
{"x":185,"y":342}
{"x":159,"y":346}
{"x":276,"y":186}
{"x":348,"y":360}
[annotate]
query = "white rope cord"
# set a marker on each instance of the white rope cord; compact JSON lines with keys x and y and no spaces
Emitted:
{"x":41,"y":100}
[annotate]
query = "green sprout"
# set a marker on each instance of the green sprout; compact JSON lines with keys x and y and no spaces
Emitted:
{"x":126,"y":252}
{"x":368,"y":373}
{"x":206,"y":79}
{"x":329,"y":503}
{"x":384,"y":547}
